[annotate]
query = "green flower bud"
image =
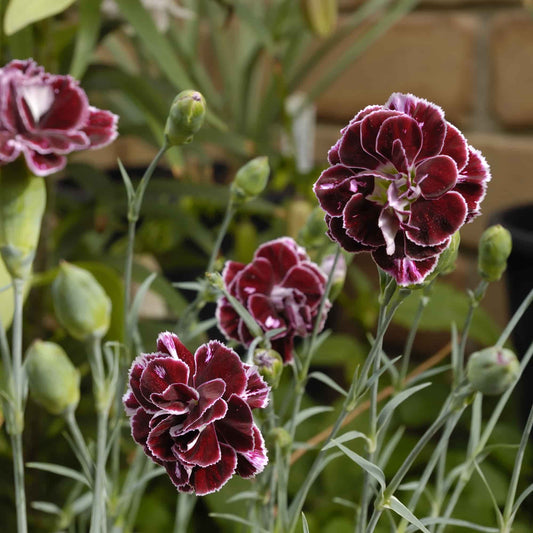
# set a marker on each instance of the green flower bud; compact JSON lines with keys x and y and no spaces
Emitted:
{"x":447,"y":259}
{"x":494,"y":248}
{"x":185,"y":117}
{"x":280,"y":436}
{"x":80,"y":303}
{"x":270,"y":365}
{"x":492,"y":370}
{"x":22,"y":203}
{"x":250,"y":180}
{"x":313,"y":234}
{"x":53,"y":380}
{"x":321,"y":16}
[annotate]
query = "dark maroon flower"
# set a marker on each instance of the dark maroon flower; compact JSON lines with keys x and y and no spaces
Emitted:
{"x":46,"y":116}
{"x":402,"y":181}
{"x":280,"y":288}
{"x":193,"y":414}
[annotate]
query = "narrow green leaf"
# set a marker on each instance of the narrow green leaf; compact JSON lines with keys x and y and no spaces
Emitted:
{"x":60,"y":471}
{"x":139,"y":297}
{"x":309,"y":412}
{"x":47,"y":507}
{"x":521,"y":499}
{"x":86,"y":36}
{"x":130,"y":190}
{"x":366,"y":465}
{"x":235,"y":518}
{"x":245,"y":495}
{"x":345,"y":437}
{"x":320,"y":376}
{"x":21,"y":13}
{"x":455,"y":522}
{"x":398,"y":507}
{"x":392,"y":404}
{"x":305,"y":525}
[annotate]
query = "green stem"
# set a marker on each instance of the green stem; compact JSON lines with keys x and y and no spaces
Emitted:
{"x":509,"y":503}
{"x":19,"y":393}
{"x":20,"y":493}
{"x":184,"y":508}
{"x":515,"y":319}
{"x":78,"y":439}
{"x":475,"y":298}
{"x":101,"y":393}
{"x":228,"y":215}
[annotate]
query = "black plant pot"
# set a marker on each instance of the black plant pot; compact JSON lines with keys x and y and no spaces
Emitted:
{"x":519,"y":279}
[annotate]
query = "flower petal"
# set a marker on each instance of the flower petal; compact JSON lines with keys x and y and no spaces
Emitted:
{"x":402,"y":128}
{"x":334,"y":188}
{"x":455,"y":146}
{"x":307,"y":281}
{"x":214,"y":360}
{"x":352,"y":153}
{"x":161,"y":372}
{"x":140,"y":426}
{"x":227,"y":319}
{"x":257,"y":391}
{"x":235,"y":428}
{"x":253,"y":462}
{"x":361,"y":221}
{"x":204,"y":450}
{"x":256,"y":278}
{"x":281,"y":253}
{"x":370,"y":127}
{"x":101,"y":127}
{"x":264,"y":312}
{"x":434,"y":221}
{"x":436,"y":176}
{"x":337,"y":233}
{"x":212,"y":478}
{"x":175,"y":398}
{"x":44,"y":164}
{"x":169,"y":343}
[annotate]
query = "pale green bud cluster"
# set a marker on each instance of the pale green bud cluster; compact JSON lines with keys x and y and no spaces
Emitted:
{"x":80,"y":303}
{"x":492,"y":370}
{"x":250,"y":180}
{"x":53,"y":380}
{"x":494,"y":249}
{"x":22,"y":204}
{"x":185,"y":118}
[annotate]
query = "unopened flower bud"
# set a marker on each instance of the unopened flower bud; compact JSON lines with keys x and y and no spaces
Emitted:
{"x":80,"y":303}
{"x":185,"y":117}
{"x":313,"y":233}
{"x":22,"y":203}
{"x":53,"y":380}
{"x":339,"y":274}
{"x":281,"y":437}
{"x":321,"y":16}
{"x":250,"y":180}
{"x":447,"y":259}
{"x":492,"y":370}
{"x":270,"y":365}
{"x":494,"y":248}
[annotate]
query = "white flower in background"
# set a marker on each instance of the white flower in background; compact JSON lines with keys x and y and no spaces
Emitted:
{"x":162,"y":11}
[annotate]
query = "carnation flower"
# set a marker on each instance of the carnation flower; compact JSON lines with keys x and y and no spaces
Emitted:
{"x":47,"y":116}
{"x":280,"y":288}
{"x":402,"y":181}
{"x":193,"y":414}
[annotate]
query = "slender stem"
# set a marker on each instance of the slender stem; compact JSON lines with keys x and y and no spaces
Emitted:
{"x":475,"y":298}
{"x":184,"y":508}
{"x":509,"y":503}
{"x":77,"y":436}
{"x":228,"y":215}
{"x":19,"y":393}
{"x":128,"y":268}
{"x":101,"y":393}
{"x":514,"y":320}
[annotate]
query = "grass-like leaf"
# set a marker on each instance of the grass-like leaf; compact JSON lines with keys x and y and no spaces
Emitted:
{"x":235,"y":518}
{"x":320,"y":376}
{"x":398,"y":507}
{"x":60,"y":471}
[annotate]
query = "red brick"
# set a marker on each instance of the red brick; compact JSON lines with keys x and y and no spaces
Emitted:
{"x":511,"y":49}
{"x":429,"y":54}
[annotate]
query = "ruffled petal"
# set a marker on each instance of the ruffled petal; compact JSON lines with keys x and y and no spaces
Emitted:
{"x":169,"y":343}
{"x":212,"y":478}
{"x":336,"y":232}
{"x":399,"y":128}
{"x":253,"y":462}
{"x":307,"y":282}
{"x":214,"y":360}
{"x":334,"y":188}
{"x":351,"y":151}
{"x":455,"y":146}
{"x":204,"y":450}
{"x":436,"y":176}
{"x":257,"y":391}
{"x":101,"y":127}
{"x":264,"y":312}
{"x":227,"y":319}
{"x":256,"y":278}
{"x":235,"y":429}
{"x":282,"y":254}
{"x":434,"y":221}
{"x":160,"y":373}
{"x":44,"y":164}
{"x":176,"y":398}
{"x":360,"y":220}
{"x":370,"y":127}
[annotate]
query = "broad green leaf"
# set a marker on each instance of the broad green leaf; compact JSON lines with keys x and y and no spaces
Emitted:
{"x":21,"y":13}
{"x":446,"y":306}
